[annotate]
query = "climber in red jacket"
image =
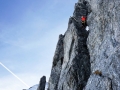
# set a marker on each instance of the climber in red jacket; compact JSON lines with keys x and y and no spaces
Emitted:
{"x":83,"y":20}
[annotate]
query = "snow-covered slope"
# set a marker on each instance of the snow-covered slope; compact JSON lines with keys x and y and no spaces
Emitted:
{"x":36,"y":86}
{"x":33,"y":87}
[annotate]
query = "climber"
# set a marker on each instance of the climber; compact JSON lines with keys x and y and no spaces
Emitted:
{"x":83,"y":20}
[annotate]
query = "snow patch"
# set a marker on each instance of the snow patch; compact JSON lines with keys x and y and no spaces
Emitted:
{"x":87,"y":28}
{"x":36,"y":86}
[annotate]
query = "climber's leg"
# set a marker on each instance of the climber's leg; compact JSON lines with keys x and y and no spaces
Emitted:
{"x":83,"y":23}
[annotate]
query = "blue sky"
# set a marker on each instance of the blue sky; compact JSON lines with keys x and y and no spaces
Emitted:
{"x":29,"y":31}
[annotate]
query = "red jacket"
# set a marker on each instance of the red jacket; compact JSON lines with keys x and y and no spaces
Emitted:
{"x":83,"y":18}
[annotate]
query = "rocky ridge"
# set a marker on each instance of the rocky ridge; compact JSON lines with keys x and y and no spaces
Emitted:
{"x":71,"y":62}
{"x":89,"y":60}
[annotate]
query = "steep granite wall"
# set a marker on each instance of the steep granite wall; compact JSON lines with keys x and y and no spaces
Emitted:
{"x":104,"y":44}
{"x":76,"y":68}
{"x":71,"y":62}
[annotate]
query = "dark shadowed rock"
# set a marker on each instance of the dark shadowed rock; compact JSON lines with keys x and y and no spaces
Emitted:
{"x":76,"y":68}
{"x":42,"y":83}
{"x":57,"y":65}
{"x":71,"y":62}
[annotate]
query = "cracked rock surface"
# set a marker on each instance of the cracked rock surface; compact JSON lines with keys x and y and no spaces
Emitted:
{"x":104,"y":44}
{"x":89,"y":60}
{"x":71,"y":62}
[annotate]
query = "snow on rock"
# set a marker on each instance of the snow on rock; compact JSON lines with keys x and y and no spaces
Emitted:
{"x":36,"y":86}
{"x":33,"y":87}
{"x":87,"y":28}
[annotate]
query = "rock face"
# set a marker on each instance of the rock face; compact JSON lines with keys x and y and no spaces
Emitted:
{"x":71,"y":62}
{"x":57,"y":65}
{"x":42,"y":83}
{"x":104,"y":44}
{"x":89,"y":60}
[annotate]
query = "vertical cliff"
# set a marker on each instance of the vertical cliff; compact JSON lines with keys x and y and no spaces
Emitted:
{"x":89,"y":60}
{"x":71,"y":62}
{"x":104,"y":44}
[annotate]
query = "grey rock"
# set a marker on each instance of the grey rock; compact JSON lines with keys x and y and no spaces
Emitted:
{"x":104,"y":44}
{"x":76,"y":65}
{"x":100,"y":83}
{"x":71,"y":62}
{"x":42,"y":83}
{"x":76,"y":68}
{"x":57,"y":65}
